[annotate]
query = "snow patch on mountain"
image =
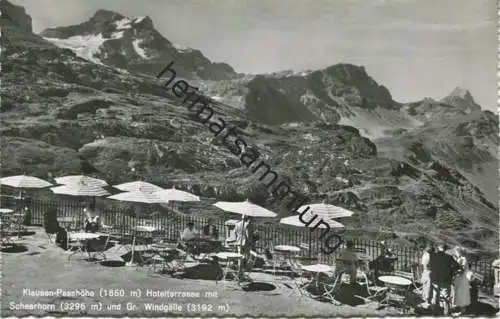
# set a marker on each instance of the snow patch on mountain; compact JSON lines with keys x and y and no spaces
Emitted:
{"x":123,"y":24}
{"x":117,"y":35}
{"x":182,"y":48}
{"x":138,"y":49}
{"x":139,"y":19}
{"x":86,"y":46}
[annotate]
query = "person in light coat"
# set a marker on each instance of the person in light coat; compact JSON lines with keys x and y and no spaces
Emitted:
{"x":426,"y":275}
{"x":461,"y":286}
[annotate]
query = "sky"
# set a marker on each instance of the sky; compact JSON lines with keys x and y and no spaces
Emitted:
{"x":416,"y":48}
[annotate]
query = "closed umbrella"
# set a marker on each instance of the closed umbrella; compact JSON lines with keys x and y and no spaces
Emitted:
{"x":78,"y":179}
{"x":138,"y":186}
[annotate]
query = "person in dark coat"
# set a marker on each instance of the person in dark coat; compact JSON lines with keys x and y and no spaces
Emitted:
{"x":444,"y":267}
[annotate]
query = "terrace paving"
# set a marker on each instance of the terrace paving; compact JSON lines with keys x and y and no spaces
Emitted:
{"x":44,"y":266}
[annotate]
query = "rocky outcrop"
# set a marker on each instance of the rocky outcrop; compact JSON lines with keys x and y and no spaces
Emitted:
{"x":15,"y":16}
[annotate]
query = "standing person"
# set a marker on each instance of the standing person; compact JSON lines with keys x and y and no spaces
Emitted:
{"x":426,"y":275}
{"x":244,"y":231}
{"x":461,"y":282}
{"x":443,"y":269}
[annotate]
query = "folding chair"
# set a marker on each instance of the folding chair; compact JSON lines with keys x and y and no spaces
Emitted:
{"x":6,"y":234}
{"x":76,"y":245}
{"x":300,"y":280}
{"x":374,"y":292}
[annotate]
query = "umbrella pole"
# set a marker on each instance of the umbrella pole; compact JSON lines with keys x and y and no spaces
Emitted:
{"x":131,"y":261}
{"x":240,"y":248}
{"x":310,"y":245}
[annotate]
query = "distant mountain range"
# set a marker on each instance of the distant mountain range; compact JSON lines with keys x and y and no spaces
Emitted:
{"x":84,"y":99}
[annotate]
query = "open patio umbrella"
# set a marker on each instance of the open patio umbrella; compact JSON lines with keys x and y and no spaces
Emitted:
{"x":295,"y":221}
{"x":172,"y":195}
{"x":137,"y":197}
{"x":77,"y":179}
{"x":138,"y":186}
{"x":245,"y":208}
{"x":80,"y":189}
{"x":326,"y":211}
{"x":24,"y":181}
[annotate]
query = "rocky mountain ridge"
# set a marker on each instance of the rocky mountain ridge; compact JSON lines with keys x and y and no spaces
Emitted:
{"x":133,"y":44}
{"x":62,"y":114}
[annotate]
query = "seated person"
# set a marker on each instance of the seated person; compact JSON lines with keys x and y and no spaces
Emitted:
{"x":348,"y":261}
{"x":51,"y":226}
{"x":188,"y":235}
{"x":210,"y":230}
{"x":190,"y":232}
{"x":92,"y":221}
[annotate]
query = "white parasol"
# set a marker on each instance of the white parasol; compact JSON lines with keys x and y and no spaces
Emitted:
{"x":138,"y":197}
{"x":326,"y":211}
{"x":295,"y":221}
{"x":80,"y":189}
{"x":173,"y":194}
{"x":138,"y":186}
{"x":80,"y":179}
{"x":245,"y":208}
{"x":24,"y":181}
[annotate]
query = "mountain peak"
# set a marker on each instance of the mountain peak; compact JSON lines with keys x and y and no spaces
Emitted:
{"x":461,"y":93}
{"x":461,"y":98}
{"x":106,"y":15}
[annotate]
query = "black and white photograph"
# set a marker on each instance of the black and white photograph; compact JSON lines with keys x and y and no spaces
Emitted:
{"x":262,"y":158}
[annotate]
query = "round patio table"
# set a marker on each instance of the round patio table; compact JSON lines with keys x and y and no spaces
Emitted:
{"x":285,"y":254}
{"x":394,"y":281}
{"x":287,"y":248}
{"x":398,"y":286}
{"x":325,"y":288}
{"x":318,"y":268}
